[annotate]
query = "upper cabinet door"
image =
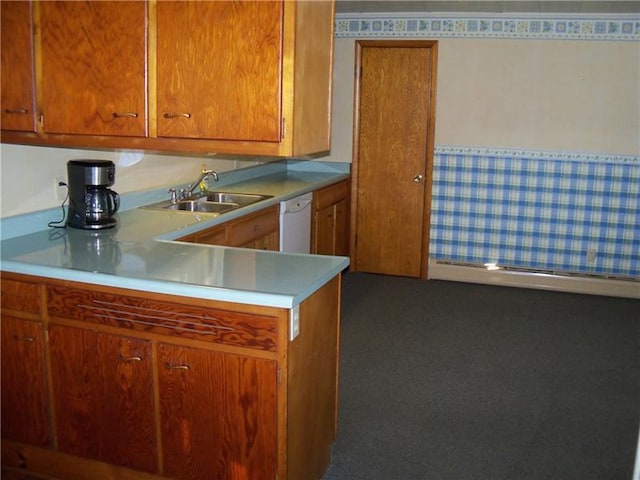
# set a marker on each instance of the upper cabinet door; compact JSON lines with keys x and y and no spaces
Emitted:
{"x":221,"y":79}
{"x":94,"y":67}
{"x":18,"y":106}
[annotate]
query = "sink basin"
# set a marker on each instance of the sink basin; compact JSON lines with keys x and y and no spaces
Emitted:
{"x":237,"y":198}
{"x":201,"y":207}
{"x":209,"y":202}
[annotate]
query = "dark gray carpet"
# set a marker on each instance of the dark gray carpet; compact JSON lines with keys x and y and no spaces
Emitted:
{"x":453,"y":381}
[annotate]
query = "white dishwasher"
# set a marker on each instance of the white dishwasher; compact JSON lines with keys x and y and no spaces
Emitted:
{"x":295,"y":224}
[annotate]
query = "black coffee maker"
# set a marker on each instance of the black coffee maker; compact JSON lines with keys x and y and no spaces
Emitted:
{"x":91,"y":202}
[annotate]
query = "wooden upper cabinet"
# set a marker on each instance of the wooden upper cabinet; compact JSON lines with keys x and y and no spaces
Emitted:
{"x":218,"y":70}
{"x":94,"y":67}
{"x":233,"y":77}
{"x":18,"y":99}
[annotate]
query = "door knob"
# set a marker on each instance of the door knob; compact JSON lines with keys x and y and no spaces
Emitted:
{"x":417,"y":179}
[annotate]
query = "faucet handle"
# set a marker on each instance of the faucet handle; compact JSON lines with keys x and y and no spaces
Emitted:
{"x":173,"y":195}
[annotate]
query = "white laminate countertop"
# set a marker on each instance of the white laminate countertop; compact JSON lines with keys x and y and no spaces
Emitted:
{"x":140,"y":252}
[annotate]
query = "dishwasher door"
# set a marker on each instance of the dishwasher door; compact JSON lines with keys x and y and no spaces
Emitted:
{"x":295,"y":224}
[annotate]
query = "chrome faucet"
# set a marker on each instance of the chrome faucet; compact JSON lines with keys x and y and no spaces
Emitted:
{"x":205,"y":173}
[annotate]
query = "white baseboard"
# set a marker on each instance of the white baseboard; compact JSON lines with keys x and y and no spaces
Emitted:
{"x":528,"y":279}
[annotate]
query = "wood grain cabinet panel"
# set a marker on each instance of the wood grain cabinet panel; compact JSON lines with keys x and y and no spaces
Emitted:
{"x":258,"y":230}
{"x":109,"y":383}
{"x":103,"y":396}
{"x":25,"y":412}
{"x":212,"y":236}
{"x":330,"y":224}
{"x":254,"y":226}
{"x":234,"y":76}
{"x":234,"y":63}
{"x":17,"y":79}
{"x":218,"y":414}
{"x":94,"y":67}
{"x":21,"y":297}
{"x":323,"y":239}
{"x":151,"y":316}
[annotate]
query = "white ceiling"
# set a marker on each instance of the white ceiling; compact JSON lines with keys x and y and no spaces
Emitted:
{"x":488,"y":6}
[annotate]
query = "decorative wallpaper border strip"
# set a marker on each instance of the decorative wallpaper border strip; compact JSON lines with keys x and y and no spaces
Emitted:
{"x":536,"y":154}
{"x":576,"y":27}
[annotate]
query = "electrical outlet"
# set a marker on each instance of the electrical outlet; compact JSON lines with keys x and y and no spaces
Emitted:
{"x":61,"y":190}
{"x":294,"y":319}
{"x":591,"y":256}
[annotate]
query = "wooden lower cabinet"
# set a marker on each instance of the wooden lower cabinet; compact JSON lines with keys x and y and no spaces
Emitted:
{"x":104,"y":383}
{"x":25,"y":409}
{"x":258,"y":230}
{"x":330,"y":221}
{"x":102,"y":388}
{"x":216,"y":402}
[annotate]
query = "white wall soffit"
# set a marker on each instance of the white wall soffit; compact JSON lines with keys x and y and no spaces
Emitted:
{"x":619,"y":27}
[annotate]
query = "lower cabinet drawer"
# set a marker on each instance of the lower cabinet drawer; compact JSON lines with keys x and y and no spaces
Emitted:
{"x":331,"y":194}
{"x":253,"y":226}
{"x":219,"y":326}
{"x":20,"y":296}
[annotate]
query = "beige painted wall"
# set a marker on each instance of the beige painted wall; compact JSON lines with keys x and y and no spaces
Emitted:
{"x":570,"y":96}
{"x":28,"y":173}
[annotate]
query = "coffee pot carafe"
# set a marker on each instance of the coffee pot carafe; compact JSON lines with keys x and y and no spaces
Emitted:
{"x":91,"y":202}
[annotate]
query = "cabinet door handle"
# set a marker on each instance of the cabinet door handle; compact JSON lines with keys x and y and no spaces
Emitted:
{"x":168,"y":366}
{"x":135,"y":358}
{"x":16,"y":110}
{"x":174,"y":115}
{"x":124,"y":115}
{"x":417,"y":179}
{"x":24,"y":339}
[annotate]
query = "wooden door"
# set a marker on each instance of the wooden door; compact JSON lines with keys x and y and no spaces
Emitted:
{"x":103,"y":396}
{"x":218,"y":414}
{"x":94,"y":67}
{"x":25,"y":415}
{"x":392,"y":168}
{"x":18,"y":99}
{"x":223,"y":81}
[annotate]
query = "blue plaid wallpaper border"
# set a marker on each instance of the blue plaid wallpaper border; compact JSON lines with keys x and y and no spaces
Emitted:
{"x":550,"y":211}
{"x":415,"y":25}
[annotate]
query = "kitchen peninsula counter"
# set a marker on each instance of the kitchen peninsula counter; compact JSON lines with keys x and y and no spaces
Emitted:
{"x":127,"y":354}
{"x":140,"y":253}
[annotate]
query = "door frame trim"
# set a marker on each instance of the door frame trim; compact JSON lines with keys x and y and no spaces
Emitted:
{"x":431,"y":121}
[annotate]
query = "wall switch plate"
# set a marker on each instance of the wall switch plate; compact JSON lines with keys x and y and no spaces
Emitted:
{"x":61,"y":190}
{"x":294,"y":322}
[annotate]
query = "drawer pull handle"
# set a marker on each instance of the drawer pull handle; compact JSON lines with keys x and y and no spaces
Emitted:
{"x":124,"y":115}
{"x":24,"y":339}
{"x":168,"y":366}
{"x":135,"y":358}
{"x":174,"y":115}
{"x":16,"y":110}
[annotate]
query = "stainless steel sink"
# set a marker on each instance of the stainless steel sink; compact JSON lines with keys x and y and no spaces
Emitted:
{"x":200,"y":207}
{"x":209,"y":202}
{"x":235,"y":198}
